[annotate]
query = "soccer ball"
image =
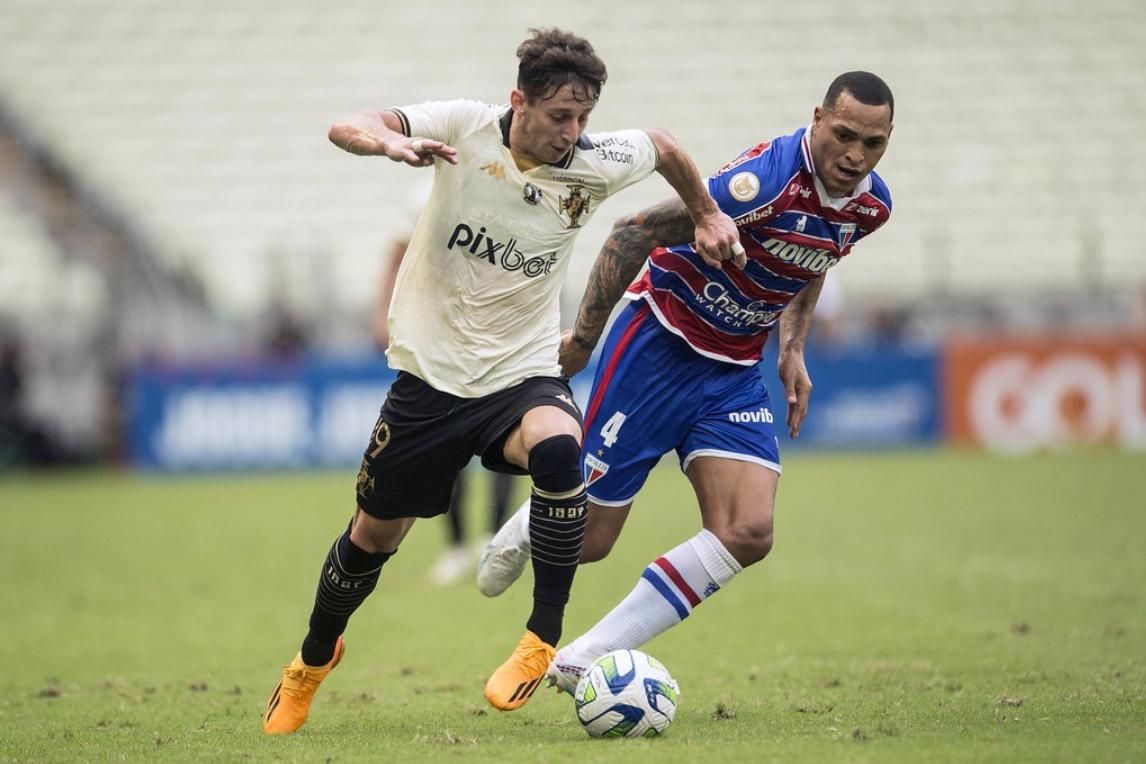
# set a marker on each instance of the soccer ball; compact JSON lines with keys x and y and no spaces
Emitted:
{"x":626,"y":693}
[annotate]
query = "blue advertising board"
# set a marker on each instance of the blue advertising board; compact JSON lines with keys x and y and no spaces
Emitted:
{"x":264,"y":415}
{"x":863,"y":397}
{"x":320,"y":412}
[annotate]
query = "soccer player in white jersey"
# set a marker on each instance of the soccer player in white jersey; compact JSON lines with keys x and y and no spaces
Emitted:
{"x":678,"y":369}
{"x":474,"y":335}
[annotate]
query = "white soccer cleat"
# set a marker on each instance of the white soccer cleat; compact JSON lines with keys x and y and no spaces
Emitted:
{"x":504,"y":558}
{"x":566,"y":670}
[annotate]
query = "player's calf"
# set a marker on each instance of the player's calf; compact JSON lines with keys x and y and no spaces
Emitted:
{"x":557,"y":515}
{"x":556,"y":530}
{"x":602,"y":529}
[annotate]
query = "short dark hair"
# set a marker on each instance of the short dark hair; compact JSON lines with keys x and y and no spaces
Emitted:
{"x":551,"y":58}
{"x":865,"y":87}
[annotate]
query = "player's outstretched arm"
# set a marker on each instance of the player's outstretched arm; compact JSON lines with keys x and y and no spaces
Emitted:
{"x":716,"y":236}
{"x":380,"y":134}
{"x":794,"y":324}
{"x":620,"y":259}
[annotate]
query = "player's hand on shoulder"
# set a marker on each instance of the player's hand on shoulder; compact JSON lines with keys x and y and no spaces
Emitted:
{"x":718,"y":240}
{"x":572,"y":355}
{"x":420,"y":152}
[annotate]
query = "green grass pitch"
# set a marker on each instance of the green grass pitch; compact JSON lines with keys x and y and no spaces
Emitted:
{"x":940,"y":606}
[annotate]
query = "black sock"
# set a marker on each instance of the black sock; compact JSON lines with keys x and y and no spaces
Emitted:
{"x":348,"y":576}
{"x":457,"y":529}
{"x":502,"y":488}
{"x":556,"y":530}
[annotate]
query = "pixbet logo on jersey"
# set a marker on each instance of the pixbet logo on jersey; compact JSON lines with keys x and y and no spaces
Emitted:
{"x":498,"y":253}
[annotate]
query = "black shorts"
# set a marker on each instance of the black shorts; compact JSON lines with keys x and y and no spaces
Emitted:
{"x":423,"y":437}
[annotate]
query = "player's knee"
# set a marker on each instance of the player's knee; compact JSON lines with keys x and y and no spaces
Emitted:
{"x":378,"y":536}
{"x":555,"y":464}
{"x":749,"y":542}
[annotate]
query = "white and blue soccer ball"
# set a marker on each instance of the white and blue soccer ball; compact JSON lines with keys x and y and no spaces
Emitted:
{"x":626,"y":693}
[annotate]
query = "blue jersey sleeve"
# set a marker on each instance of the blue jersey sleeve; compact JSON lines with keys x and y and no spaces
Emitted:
{"x":756,"y":177}
{"x":880,"y":191}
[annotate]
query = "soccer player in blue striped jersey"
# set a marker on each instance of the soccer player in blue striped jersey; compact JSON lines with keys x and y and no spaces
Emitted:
{"x":677,"y":370}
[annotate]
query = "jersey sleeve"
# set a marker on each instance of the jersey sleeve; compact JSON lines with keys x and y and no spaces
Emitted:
{"x":446,"y":121}
{"x":751,"y":182}
{"x":624,"y":157}
{"x":880,"y":191}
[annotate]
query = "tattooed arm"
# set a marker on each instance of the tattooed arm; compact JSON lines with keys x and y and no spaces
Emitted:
{"x":624,"y":252}
{"x":794,"y":324}
{"x":716,"y":238}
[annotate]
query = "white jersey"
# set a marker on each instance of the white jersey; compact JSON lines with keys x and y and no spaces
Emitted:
{"x":476,"y":306}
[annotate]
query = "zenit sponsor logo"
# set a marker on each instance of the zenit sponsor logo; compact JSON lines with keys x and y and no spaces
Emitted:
{"x":498,"y":253}
{"x":861,"y":209}
{"x":808,"y":258}
{"x":716,"y":299}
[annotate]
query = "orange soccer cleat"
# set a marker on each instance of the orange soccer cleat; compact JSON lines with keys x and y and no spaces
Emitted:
{"x":290,"y":702}
{"x":514,"y":682}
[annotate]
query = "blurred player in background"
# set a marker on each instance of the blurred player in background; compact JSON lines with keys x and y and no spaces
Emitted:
{"x":459,"y":557}
{"x":475,"y":333}
{"x":678,"y":369}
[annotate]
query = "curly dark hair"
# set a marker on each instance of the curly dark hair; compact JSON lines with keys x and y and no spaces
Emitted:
{"x":551,"y":58}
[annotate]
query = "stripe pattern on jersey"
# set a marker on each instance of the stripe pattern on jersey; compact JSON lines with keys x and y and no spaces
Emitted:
{"x":792,"y":234}
{"x":609,"y":367}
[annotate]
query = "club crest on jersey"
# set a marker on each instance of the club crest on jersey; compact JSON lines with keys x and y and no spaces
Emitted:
{"x":744,"y":186}
{"x":365,"y":481}
{"x":575,"y":205}
{"x":595,"y":469}
{"x":531,"y":193}
{"x":846,"y":232}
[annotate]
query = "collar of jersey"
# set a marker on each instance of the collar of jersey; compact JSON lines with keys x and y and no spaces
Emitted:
{"x":835,"y":202}
{"x":583,"y":142}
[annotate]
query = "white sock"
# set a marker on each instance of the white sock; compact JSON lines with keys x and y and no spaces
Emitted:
{"x":669,"y":589}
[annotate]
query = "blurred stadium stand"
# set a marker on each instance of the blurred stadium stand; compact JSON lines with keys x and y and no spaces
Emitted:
{"x":204,"y":199}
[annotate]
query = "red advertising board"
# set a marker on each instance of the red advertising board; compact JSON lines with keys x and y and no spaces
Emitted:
{"x":1020,"y":395}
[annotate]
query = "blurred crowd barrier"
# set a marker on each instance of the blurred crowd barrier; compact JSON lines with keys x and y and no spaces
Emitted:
{"x":1003,"y":394}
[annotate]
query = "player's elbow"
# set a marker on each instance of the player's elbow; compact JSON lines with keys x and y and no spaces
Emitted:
{"x":624,"y":226}
{"x":665,"y":142}
{"x":338,"y":134}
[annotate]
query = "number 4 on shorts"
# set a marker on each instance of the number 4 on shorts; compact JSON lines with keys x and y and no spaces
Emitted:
{"x":611,"y":428}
